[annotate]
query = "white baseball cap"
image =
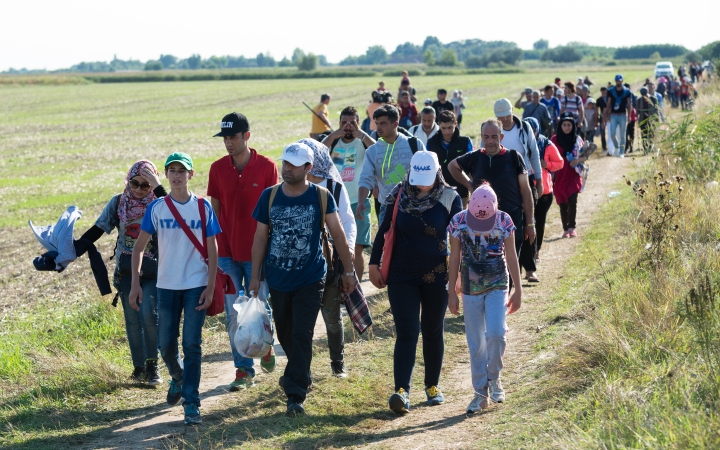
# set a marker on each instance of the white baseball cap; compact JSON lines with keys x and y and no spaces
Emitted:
{"x":503,"y":107}
{"x":297,"y":154}
{"x":424,"y":166}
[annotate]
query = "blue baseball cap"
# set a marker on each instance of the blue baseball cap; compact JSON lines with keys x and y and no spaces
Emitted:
{"x":618,"y":77}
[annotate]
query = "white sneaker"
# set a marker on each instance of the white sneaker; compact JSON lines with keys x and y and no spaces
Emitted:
{"x":478,"y":403}
{"x":497,"y":394}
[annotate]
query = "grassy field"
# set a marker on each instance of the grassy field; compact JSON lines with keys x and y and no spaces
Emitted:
{"x":63,"y":354}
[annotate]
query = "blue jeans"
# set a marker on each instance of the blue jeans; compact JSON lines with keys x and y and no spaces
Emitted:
{"x":141,"y":326}
{"x":618,"y":121}
{"x":240,"y":273}
{"x":172,"y":305}
{"x":485,"y":334}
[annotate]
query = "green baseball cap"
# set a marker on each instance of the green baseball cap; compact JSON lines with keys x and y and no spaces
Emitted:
{"x":182,"y":158}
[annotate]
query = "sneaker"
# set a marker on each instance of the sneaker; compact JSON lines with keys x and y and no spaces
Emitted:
{"x":400,"y":402}
{"x":566,"y":234}
{"x":478,"y":403}
{"x":192,"y":415}
{"x":243,"y":380}
{"x":138,"y":375}
{"x":267,"y":362}
{"x":434,"y":396}
{"x":295,"y":407}
{"x":151,"y":369}
{"x":173,"y":395}
{"x":573,"y":233}
{"x":338,"y":369}
{"x":497,"y":394}
{"x":621,"y":155}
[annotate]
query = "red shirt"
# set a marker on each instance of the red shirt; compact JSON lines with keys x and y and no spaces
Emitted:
{"x":238,"y":194}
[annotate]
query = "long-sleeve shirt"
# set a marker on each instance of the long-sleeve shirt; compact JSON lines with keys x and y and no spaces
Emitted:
{"x":385,"y":164}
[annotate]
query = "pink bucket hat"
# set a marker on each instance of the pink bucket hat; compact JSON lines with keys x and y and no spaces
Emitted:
{"x":482,"y":208}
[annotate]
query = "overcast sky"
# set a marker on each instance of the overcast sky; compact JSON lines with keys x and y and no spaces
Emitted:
{"x":45,"y":34}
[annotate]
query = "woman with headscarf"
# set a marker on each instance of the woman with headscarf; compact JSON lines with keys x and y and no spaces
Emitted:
{"x":125,"y":213}
{"x":325,"y":174}
{"x":551,"y":161}
{"x":568,"y":180}
{"x":418,"y":272}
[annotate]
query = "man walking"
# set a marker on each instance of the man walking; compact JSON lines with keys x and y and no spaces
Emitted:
{"x":320,"y":119}
{"x":388,"y":160}
{"x":617,"y":114}
{"x":288,"y":247}
{"x":235,"y":184}
{"x":553,"y":106}
{"x":448,"y":144}
{"x":427,"y":127}
{"x":347,"y":148}
{"x":441,"y":104}
{"x":601,"y":104}
{"x":540,"y":112}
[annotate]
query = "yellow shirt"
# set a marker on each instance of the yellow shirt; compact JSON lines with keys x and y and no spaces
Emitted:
{"x":318,"y":126}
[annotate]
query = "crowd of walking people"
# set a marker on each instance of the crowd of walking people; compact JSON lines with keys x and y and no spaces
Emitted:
{"x":455,"y":221}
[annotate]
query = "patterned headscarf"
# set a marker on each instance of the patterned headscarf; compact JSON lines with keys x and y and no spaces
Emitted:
{"x":411,"y":204}
{"x":322,"y":166}
{"x":130,"y":208}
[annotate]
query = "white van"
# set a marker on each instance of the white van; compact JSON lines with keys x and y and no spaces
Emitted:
{"x":664,"y":69}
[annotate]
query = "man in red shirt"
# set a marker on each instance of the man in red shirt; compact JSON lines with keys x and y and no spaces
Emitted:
{"x":236,"y":182}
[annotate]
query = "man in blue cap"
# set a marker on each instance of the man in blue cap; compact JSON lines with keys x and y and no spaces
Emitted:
{"x":617,"y":113}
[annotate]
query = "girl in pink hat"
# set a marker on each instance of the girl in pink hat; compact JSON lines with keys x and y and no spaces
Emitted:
{"x":482,"y":245}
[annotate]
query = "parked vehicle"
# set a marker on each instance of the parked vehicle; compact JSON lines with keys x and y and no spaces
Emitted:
{"x":664,"y":69}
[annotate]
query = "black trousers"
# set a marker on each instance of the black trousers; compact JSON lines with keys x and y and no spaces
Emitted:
{"x":630,"y":140}
{"x":541,"y":209}
{"x":527,"y":251}
{"x":406,"y":300}
{"x":568,"y":211}
{"x":295,"y":314}
{"x":602,"y":138}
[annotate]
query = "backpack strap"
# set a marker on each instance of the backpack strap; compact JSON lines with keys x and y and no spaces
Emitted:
{"x":336,"y":188}
{"x":273,"y":193}
{"x":323,"y":198}
{"x":413,"y":144}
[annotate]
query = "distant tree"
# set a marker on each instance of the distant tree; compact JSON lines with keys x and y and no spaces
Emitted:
{"x":297,"y":56}
{"x":407,"y":49}
{"x":474,"y":62}
{"x":693,"y":57}
{"x":194,"y":62}
{"x":376,"y":55}
{"x":431,"y":40}
{"x":655,"y":55}
{"x":711,"y":50}
{"x":448,"y":58}
{"x":562,"y":54}
{"x":167,"y":60}
{"x":285,"y":62}
{"x":350,"y":61}
{"x":644,"y":51}
{"x":322,"y":60}
{"x":308,"y":62}
{"x":541,"y":44}
{"x":153,"y":65}
{"x":429,"y":57}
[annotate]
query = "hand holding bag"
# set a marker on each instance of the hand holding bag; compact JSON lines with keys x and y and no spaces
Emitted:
{"x":389,"y":242}
{"x":223,"y":282}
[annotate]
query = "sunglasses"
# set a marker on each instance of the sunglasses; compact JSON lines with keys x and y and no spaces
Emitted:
{"x":135,"y":185}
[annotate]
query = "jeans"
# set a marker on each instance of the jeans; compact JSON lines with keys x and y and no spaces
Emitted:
{"x":406,"y":300}
{"x":485,"y":334}
{"x":541,"y":209}
{"x":295,"y":316}
{"x":568,"y":211}
{"x":618,"y":121}
{"x":141,"y":326}
{"x":172,"y":305}
{"x":332,"y":316}
{"x":240,"y":273}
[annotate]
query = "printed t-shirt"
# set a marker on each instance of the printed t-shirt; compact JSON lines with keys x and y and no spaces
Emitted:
{"x":294,"y":258}
{"x":318,"y":126}
{"x":501,"y":171}
{"x":180,"y":264}
{"x":238,"y":194}
{"x":348,"y":159}
{"x":483,"y":267}
{"x":440,"y":107}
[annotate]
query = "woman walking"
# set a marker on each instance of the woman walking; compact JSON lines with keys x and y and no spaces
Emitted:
{"x":647,"y":110}
{"x":568,"y":180}
{"x":125,"y":213}
{"x":418,"y":272}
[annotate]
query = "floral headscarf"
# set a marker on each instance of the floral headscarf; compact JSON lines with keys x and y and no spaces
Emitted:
{"x":322,"y":166}
{"x":129,"y":207}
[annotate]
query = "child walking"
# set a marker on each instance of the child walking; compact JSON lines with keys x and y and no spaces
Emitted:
{"x":482,"y":251}
{"x":185,"y":281}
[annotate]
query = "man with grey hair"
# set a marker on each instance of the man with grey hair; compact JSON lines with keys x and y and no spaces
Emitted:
{"x":540,"y":112}
{"x":427,"y":127}
{"x":525,"y":98}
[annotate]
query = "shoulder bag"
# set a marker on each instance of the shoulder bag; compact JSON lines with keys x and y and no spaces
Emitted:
{"x":389,"y":242}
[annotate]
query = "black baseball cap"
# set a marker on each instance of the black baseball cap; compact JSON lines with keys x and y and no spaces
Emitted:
{"x":232,"y":124}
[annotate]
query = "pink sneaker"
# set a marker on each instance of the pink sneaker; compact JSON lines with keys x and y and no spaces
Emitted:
{"x":566,"y":234}
{"x":572,"y":233}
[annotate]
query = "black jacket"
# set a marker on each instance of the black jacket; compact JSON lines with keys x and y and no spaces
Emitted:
{"x":458,"y":147}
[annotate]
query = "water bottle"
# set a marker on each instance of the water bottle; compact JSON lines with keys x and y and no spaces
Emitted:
{"x":241,"y":297}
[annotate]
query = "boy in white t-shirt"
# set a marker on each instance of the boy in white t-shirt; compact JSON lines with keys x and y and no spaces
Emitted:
{"x":185,"y":282}
{"x":483,"y":251}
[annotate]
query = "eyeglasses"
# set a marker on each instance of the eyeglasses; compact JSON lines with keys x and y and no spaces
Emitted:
{"x":135,"y":185}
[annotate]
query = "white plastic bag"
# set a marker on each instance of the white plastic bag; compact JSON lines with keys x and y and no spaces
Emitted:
{"x":253,"y":337}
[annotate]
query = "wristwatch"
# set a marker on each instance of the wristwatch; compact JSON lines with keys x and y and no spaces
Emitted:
{"x":349,"y":274}
{"x":530,"y":224}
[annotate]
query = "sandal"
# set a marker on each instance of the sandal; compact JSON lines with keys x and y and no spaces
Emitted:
{"x":532,"y":278}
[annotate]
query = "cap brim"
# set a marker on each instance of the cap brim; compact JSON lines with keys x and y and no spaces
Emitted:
{"x":184,"y":164}
{"x":228,"y":133}
{"x":476,"y":224}
{"x":424,"y":179}
{"x":503,"y":113}
{"x":294,"y":160}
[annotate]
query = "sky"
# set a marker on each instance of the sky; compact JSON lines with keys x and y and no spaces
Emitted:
{"x":45,"y":34}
